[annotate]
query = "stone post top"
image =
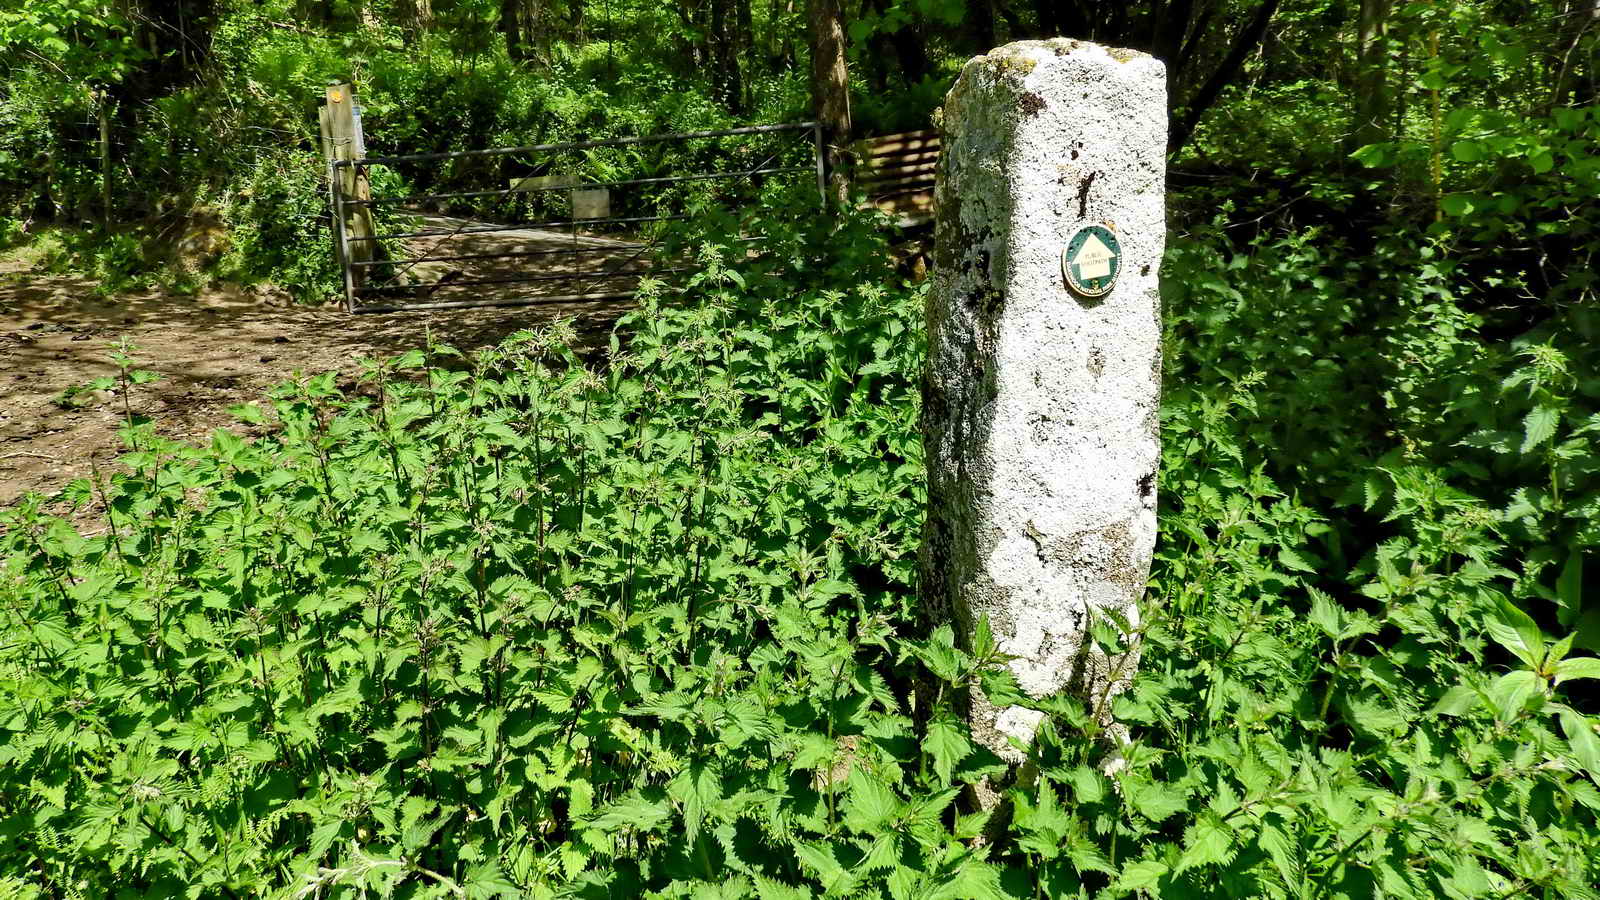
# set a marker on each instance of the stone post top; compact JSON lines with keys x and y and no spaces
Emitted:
{"x":1021,"y":56}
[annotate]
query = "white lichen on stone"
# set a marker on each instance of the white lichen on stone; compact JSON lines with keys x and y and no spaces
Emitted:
{"x":1040,"y":407}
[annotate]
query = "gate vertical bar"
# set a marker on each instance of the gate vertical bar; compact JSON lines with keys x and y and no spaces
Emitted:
{"x":336,"y":207}
{"x":341,"y":247}
{"x":355,"y":216}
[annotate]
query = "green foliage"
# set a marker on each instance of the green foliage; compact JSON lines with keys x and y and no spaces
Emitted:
{"x":508,"y":624}
{"x":554,"y":626}
{"x":85,"y":42}
{"x":519,"y":623}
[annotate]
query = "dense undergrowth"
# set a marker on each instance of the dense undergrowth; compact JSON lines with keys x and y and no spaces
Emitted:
{"x":514,"y":623}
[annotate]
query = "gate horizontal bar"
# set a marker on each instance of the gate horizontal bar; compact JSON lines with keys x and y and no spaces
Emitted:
{"x":521,"y":279}
{"x":528,"y":227}
{"x":534,"y":300}
{"x":512,"y":254}
{"x":573,"y":145}
{"x":670,"y":179}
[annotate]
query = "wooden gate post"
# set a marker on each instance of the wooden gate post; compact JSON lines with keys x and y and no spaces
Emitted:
{"x":350,"y":187}
{"x":1041,"y":394}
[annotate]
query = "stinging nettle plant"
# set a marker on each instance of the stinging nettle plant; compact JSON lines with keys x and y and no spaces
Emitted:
{"x":523,"y":622}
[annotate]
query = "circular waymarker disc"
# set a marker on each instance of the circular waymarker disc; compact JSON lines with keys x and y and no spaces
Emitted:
{"x":1092,"y":260}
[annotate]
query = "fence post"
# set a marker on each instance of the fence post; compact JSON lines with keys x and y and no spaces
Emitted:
{"x":1041,"y":392}
{"x":353,"y":218}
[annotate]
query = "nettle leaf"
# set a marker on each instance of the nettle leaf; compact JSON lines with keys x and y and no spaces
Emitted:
{"x":1373,"y":716}
{"x":488,"y":880}
{"x":940,"y":655}
{"x":697,"y":787}
{"x":826,"y":861}
{"x":1325,"y":614}
{"x":632,"y":810}
{"x":772,"y":889}
{"x":1538,"y":426}
{"x":1140,"y":874}
{"x":1154,"y":800}
{"x":870,"y":803}
{"x":948,"y":743}
{"x":1209,"y":841}
{"x":1293,"y":559}
{"x":1285,"y":858}
{"x":974,"y":880}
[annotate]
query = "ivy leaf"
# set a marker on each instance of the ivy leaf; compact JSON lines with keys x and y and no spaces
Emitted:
{"x":1372,"y":155}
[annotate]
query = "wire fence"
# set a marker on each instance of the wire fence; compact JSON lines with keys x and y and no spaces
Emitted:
{"x":548,"y":223}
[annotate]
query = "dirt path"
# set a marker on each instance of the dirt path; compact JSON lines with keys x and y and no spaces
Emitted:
{"x":221,"y":347}
{"x":457,"y":264}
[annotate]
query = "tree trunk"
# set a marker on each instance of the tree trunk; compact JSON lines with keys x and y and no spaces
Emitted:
{"x":1177,"y":79}
{"x":1225,"y":73}
{"x":1049,"y":16}
{"x":416,"y":16}
{"x":575,"y":20}
{"x":317,"y":11}
{"x":535,"y":37}
{"x":511,"y":27}
{"x":366,"y":16}
{"x":830,"y":88}
{"x":1168,"y":27}
{"x":980,"y":25}
{"x":1372,"y":74}
{"x":102,"y":110}
{"x":905,"y":46}
{"x":724,"y":49}
{"x":1579,"y":16}
{"x":744,"y":50}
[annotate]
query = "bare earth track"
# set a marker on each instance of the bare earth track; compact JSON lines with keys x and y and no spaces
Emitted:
{"x":221,"y":347}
